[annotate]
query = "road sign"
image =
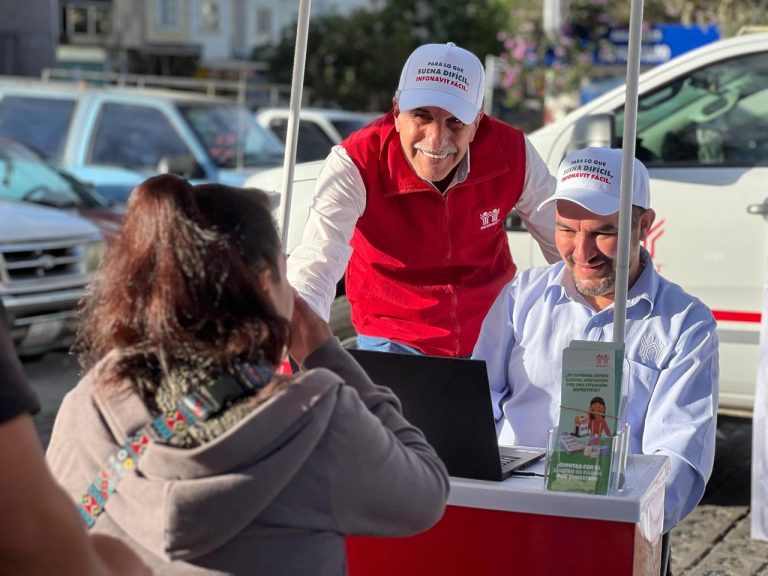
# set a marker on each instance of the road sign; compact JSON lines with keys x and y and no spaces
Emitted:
{"x":660,"y":43}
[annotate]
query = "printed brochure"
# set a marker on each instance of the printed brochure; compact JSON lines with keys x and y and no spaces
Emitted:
{"x":589,"y":416}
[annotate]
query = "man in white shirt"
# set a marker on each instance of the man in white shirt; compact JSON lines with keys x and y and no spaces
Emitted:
{"x":671,"y":347}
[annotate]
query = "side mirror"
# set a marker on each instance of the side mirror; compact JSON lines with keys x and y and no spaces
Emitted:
{"x":183,"y":165}
{"x":597,"y":130}
{"x":514,"y":223}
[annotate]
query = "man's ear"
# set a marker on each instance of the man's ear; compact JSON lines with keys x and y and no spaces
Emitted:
{"x":646,"y":221}
{"x":476,"y":124}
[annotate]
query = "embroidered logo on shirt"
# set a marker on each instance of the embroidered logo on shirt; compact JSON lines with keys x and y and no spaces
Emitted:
{"x":489,"y":218}
{"x":651,"y":349}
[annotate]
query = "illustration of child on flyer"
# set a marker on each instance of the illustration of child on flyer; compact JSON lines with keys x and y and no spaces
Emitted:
{"x":597,"y":424}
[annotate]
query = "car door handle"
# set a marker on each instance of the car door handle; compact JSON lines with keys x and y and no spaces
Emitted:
{"x":758,"y":208}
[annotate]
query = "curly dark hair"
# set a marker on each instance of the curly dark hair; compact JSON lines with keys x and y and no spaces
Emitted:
{"x":181,"y":280}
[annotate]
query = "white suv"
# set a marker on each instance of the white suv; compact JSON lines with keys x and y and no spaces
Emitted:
{"x":319,"y":128}
{"x":703,"y":134}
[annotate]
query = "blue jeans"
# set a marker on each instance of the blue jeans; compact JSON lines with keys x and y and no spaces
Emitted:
{"x":379,"y":344}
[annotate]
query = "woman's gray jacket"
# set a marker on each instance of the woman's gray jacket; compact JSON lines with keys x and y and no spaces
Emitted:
{"x":330,"y":456}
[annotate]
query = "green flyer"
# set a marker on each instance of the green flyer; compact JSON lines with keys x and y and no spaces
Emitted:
{"x":589,"y":416}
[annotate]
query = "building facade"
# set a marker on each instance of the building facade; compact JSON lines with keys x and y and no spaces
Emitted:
{"x":164,"y":37}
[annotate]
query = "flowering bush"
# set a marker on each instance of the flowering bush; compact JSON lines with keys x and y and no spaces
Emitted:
{"x":536,"y":63}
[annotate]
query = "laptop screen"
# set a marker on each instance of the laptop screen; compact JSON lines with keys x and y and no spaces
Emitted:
{"x":449,"y":400}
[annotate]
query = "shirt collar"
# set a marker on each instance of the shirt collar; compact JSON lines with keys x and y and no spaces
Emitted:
{"x":461,"y":174}
{"x":643,"y":291}
{"x":558,"y":289}
{"x":462,"y":170}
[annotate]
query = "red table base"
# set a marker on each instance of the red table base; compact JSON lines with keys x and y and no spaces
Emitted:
{"x":475,"y":542}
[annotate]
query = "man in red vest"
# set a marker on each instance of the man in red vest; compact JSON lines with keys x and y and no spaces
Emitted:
{"x":413,"y":207}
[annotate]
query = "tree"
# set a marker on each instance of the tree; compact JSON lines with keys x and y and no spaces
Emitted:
{"x":729,"y":15}
{"x":354,"y":61}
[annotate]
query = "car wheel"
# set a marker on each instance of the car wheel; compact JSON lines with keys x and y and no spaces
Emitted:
{"x":340,"y":320}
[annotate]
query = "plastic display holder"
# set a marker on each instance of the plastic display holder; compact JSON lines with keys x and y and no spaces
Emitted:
{"x":621,"y":475}
{"x":553,"y":438}
{"x":618,"y":477}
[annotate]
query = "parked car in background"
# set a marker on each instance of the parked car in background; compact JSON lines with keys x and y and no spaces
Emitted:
{"x":47,"y":257}
{"x":116,"y":137}
{"x":702,"y":130}
{"x":319,"y":128}
{"x":25,"y":176}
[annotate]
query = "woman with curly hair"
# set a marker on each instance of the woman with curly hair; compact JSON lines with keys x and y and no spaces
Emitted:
{"x":236,"y":470}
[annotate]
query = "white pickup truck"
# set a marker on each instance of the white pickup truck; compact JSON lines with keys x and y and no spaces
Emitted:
{"x":702,"y":131}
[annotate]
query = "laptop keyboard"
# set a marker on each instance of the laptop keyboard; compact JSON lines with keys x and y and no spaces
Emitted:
{"x":508,"y":459}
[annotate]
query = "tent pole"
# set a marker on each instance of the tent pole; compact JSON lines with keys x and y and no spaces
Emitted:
{"x":292,"y":133}
{"x":628,"y":147}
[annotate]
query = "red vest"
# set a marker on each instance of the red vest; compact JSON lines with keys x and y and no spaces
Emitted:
{"x":426,"y":267}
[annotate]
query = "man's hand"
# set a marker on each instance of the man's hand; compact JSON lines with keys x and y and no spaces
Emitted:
{"x":309,"y":331}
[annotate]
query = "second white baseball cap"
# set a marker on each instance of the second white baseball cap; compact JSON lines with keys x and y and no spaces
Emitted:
{"x":591,"y":178}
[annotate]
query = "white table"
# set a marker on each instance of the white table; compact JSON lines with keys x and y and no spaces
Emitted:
{"x":518,"y":527}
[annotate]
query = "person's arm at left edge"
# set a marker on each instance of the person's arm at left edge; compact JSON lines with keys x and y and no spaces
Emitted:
{"x":41,"y":532}
{"x":538,"y":185}
{"x":494,"y":345}
{"x":681,"y":420}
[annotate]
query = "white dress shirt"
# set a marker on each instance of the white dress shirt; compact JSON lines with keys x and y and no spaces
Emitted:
{"x":670,"y":369}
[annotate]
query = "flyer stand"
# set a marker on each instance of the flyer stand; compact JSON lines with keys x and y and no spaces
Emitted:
{"x":622,"y":474}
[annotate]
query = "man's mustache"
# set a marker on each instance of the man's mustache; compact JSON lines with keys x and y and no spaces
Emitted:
{"x":436,"y":152}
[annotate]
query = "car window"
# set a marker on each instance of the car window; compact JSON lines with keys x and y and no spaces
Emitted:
{"x":25,"y":176}
{"x":231,"y":135}
{"x":40,"y":123}
{"x":135,"y":137}
{"x":716,"y":116}
{"x":346,"y":127}
{"x":314,"y":143}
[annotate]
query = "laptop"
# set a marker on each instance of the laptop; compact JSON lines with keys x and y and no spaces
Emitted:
{"x":449,"y":400}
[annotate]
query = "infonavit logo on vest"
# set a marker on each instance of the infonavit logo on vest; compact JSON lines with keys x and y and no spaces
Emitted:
{"x":489,"y":218}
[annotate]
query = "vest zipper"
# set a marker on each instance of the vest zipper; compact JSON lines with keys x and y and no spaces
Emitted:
{"x":454,"y":298}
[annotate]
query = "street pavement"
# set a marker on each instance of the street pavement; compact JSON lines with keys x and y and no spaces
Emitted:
{"x":712,"y":541}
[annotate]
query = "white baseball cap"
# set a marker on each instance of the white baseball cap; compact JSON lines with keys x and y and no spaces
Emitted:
{"x":445,"y":76}
{"x":591,"y":178}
